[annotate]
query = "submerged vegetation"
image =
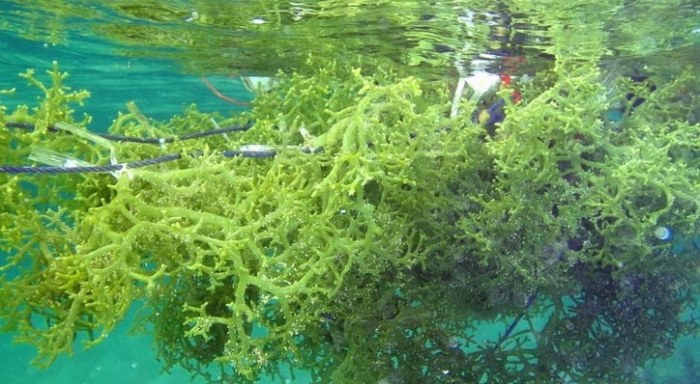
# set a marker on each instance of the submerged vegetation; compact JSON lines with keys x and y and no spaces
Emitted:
{"x":379,"y":238}
{"x":379,"y":235}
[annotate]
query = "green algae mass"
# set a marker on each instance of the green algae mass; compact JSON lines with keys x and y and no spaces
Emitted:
{"x":370,"y":248}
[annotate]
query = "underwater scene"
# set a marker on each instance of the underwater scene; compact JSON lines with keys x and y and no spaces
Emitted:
{"x":389,"y":192}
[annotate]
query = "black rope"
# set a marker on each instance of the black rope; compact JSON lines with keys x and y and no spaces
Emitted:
{"x":90,"y":168}
{"x":245,"y":151}
{"x":165,"y":140}
{"x":530,"y":300}
{"x":144,"y":140}
{"x":251,"y":151}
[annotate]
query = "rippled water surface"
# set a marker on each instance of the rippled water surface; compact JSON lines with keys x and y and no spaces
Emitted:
{"x":154,"y":52}
{"x":426,"y":37}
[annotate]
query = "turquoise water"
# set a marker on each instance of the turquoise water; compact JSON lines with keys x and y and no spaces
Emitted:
{"x":157,"y":86}
{"x":162,"y":78}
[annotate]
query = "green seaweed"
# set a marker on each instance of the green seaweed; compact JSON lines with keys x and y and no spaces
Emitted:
{"x":381,"y":232}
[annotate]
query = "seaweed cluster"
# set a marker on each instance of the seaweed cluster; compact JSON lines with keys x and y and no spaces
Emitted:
{"x":380,"y":238}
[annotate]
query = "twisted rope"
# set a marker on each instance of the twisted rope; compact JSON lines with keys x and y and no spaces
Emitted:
{"x":252,"y":151}
{"x":145,"y":140}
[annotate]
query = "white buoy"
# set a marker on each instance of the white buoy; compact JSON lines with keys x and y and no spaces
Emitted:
{"x":663,"y":233}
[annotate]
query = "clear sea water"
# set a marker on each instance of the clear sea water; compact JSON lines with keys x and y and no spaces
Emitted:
{"x":162,"y":77}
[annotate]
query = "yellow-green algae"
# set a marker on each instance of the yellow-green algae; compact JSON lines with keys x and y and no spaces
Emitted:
{"x":365,"y":260}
